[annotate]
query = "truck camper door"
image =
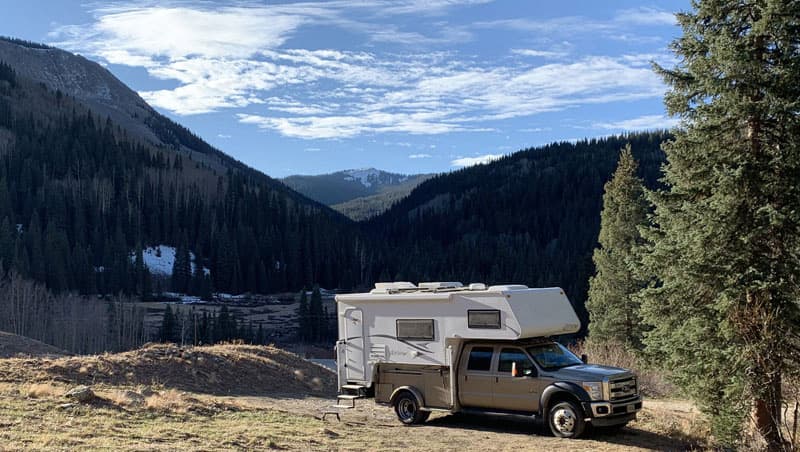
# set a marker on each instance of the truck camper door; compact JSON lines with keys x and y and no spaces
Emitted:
{"x":355,"y":358}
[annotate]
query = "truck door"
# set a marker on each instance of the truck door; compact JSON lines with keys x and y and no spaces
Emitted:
{"x":355,"y":358}
{"x":520,"y":392}
{"x":476,"y":378}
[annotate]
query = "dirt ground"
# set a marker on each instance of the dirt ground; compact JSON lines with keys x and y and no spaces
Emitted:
{"x":369,"y":426}
{"x":235,"y":397}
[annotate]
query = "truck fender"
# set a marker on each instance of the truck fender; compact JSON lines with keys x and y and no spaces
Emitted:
{"x":412,"y":390}
{"x":561,"y":387}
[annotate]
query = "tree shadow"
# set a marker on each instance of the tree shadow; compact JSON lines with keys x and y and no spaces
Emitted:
{"x":520,"y":425}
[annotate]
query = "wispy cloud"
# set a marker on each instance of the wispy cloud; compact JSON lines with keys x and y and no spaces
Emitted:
{"x":540,"y":53}
{"x":479,"y":160}
{"x":646,"y":16}
{"x":420,"y":156}
{"x":241,"y":58}
{"x":647,"y":122}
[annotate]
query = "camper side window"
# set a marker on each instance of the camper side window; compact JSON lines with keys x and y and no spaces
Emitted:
{"x":480,"y":358}
{"x":483,"y":318}
{"x":415,"y":330}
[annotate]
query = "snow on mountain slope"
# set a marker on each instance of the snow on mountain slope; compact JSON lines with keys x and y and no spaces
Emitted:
{"x":160,"y":259}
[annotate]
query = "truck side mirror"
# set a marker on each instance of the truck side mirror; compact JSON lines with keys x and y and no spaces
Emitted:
{"x":585,"y":358}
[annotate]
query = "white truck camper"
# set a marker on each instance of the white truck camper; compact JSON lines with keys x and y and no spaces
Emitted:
{"x":443,"y":346}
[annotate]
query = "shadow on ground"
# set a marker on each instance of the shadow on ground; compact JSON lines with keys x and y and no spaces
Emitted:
{"x":518,"y":425}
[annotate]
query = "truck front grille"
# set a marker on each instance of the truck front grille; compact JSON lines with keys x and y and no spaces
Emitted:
{"x":623,"y":388}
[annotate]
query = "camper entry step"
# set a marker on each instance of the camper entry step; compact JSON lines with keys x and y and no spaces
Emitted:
{"x":354,"y":387}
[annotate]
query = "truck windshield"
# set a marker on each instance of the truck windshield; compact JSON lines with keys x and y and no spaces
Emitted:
{"x":552,"y":356}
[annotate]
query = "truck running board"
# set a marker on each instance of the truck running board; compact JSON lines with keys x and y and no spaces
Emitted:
{"x":517,"y":414}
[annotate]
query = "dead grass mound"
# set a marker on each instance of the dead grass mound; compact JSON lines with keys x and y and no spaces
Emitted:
{"x":13,"y":345}
{"x":218,"y":370}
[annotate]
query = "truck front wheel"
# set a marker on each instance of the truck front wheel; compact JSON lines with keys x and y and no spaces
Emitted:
{"x":566,"y":420}
{"x":408,"y":410}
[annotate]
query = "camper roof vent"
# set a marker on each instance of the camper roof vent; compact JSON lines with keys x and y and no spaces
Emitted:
{"x":477,"y":286}
{"x":386,"y":287}
{"x":440,"y":285}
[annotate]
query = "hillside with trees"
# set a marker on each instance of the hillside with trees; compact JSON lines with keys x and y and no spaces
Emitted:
{"x":80,"y":197}
{"x":530,"y":217}
{"x":359,"y":194}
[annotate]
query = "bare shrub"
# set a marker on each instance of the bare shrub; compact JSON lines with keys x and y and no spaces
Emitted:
{"x":170,"y":400}
{"x":44,"y":390}
{"x":28,"y":308}
{"x":652,"y":382}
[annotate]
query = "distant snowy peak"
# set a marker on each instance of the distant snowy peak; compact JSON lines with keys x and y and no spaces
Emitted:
{"x":371,"y":176}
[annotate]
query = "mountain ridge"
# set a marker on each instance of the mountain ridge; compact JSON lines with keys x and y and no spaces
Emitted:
{"x":359,"y":193}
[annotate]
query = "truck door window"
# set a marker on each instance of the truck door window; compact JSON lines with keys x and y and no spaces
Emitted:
{"x":508,"y":356}
{"x":480,"y":358}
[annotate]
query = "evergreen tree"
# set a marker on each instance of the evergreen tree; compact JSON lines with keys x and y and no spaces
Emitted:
{"x":613,"y":309}
{"x":726,"y":250}
{"x":303,"y":318}
{"x":168,"y":326}
{"x":316,"y":315}
{"x":182,"y":268}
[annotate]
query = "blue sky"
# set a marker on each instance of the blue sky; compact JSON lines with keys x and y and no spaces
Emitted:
{"x":408,"y":86}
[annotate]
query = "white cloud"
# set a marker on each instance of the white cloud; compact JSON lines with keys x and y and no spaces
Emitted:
{"x":224,"y":136}
{"x":420,"y":156}
{"x":234,"y":57}
{"x":647,"y":122}
{"x":646,"y":16}
{"x":479,"y":160}
{"x":539,"y":53}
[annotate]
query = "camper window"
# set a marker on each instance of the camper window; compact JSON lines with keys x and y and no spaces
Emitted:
{"x":415,"y":329}
{"x":483,"y":318}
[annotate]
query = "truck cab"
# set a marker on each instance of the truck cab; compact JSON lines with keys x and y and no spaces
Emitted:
{"x":545,"y":379}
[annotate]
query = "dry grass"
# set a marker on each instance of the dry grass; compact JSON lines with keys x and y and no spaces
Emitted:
{"x":170,"y":401}
{"x":174,"y":420}
{"x":130,"y":415}
{"x":42,"y":390}
{"x":219,"y":369}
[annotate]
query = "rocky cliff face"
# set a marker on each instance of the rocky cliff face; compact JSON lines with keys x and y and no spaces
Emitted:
{"x":85,"y":80}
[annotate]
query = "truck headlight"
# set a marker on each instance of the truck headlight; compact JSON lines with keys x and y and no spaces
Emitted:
{"x":594,"y":389}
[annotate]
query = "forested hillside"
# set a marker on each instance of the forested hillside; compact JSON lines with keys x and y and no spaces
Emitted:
{"x":532,"y":217}
{"x":79,"y":194}
{"x":359,"y":193}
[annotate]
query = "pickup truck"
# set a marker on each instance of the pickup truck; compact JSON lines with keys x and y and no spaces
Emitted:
{"x":538,"y":378}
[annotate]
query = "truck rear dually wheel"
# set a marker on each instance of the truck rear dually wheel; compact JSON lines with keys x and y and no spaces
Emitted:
{"x":408,"y":410}
{"x":566,"y":420}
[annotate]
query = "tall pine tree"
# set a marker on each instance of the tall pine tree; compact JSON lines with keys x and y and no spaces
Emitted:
{"x":726,"y":250}
{"x":303,"y":318}
{"x":316,"y":314}
{"x":613,"y":309}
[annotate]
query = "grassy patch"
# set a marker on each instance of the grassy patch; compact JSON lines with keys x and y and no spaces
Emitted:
{"x":168,"y":421}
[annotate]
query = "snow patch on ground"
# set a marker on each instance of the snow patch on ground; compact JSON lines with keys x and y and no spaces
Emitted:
{"x":159,"y":260}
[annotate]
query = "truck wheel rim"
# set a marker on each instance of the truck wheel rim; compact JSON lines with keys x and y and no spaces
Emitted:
{"x":406,"y":409}
{"x":564,"y":420}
